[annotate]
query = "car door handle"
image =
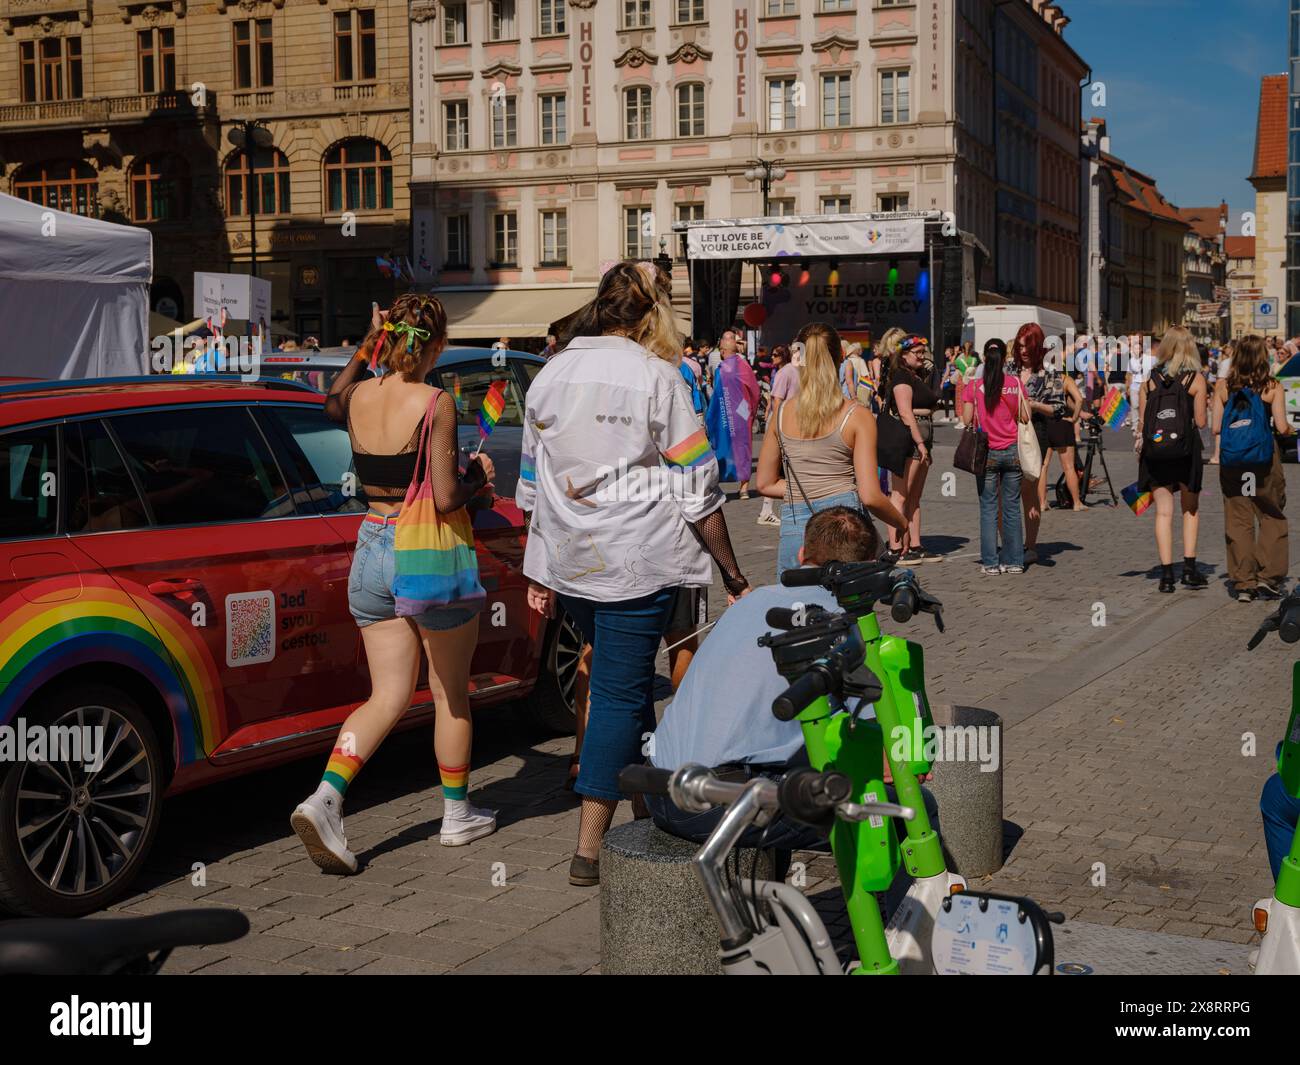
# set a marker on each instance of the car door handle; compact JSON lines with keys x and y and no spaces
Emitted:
{"x":175,"y":585}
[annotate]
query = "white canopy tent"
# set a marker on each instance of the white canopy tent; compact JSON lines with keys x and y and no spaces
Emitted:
{"x":74,"y":294}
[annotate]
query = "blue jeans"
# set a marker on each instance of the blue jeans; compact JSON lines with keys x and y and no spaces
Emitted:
{"x":624,"y":638}
{"x":1281,"y":812}
{"x":794,"y":523}
{"x":1001,"y":475}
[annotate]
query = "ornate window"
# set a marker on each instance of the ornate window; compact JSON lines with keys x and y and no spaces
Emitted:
{"x":359,"y":177}
{"x":690,"y":109}
{"x":254,"y":66}
{"x":155,"y":59}
{"x":354,"y":45}
{"x":268,"y":181}
{"x":65,"y":186}
{"x":50,"y":69}
{"x":160,"y":187}
{"x":637,"y":125}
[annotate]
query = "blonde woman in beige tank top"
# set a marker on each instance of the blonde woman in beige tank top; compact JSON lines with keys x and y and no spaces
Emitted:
{"x":829,"y":446}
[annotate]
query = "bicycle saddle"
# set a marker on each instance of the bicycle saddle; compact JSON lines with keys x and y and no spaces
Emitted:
{"x":97,"y":947}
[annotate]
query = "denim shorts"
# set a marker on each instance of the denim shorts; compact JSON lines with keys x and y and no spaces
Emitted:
{"x":370,"y":584}
{"x":794,"y":523}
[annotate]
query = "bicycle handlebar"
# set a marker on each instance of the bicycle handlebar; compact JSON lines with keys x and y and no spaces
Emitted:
{"x":644,"y":780}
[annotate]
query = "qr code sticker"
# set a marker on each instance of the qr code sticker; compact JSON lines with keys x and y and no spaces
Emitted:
{"x":250,"y":628}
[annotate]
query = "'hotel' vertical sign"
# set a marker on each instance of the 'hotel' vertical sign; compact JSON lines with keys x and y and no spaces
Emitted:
{"x":586,"y":54}
{"x":743,"y":43}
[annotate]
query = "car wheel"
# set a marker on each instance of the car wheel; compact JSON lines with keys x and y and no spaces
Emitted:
{"x":73,"y":836}
{"x":551,"y":702}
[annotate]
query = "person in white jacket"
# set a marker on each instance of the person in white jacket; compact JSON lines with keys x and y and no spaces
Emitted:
{"x":622,"y":489}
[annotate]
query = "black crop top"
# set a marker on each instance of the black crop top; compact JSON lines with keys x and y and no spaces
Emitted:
{"x":923,"y":396}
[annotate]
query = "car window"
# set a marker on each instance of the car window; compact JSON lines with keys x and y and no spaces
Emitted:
{"x":531,"y":370}
{"x":469,"y":383}
{"x":320,"y":452}
{"x":28,"y":501}
{"x":203,"y":465}
{"x":104,"y":497}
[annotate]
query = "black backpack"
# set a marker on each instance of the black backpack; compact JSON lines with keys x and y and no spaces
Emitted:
{"x":1167,"y":430}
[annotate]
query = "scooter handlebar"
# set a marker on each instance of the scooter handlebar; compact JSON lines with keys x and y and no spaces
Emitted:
{"x":803,"y":577}
{"x":904,"y":603}
{"x":801,"y":694}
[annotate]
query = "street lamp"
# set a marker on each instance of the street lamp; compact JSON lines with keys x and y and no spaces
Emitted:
{"x":246,"y":136}
{"x":766,"y":171}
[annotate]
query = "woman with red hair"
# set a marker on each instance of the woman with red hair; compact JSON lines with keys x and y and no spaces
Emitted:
{"x":1054,"y":402}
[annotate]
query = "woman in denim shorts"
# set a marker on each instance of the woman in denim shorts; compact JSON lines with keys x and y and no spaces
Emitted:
{"x":385,"y":418}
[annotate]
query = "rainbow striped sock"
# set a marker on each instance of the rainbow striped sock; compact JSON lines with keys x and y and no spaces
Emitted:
{"x":340,"y":770}
{"x":455,"y":781}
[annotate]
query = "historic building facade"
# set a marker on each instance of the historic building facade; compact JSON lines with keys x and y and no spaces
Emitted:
{"x":1269,"y":177}
{"x":551,"y":138}
{"x":123,"y":110}
{"x":1205,"y":272}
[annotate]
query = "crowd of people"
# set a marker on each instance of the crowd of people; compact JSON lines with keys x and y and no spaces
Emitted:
{"x":847,"y":436}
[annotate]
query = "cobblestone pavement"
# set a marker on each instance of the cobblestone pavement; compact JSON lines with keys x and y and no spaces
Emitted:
{"x":1126,"y":714}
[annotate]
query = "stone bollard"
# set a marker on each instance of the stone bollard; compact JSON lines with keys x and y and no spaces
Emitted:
{"x":654,"y":918}
{"x":970,"y":799}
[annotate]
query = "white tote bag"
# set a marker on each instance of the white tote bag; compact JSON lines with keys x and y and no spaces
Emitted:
{"x":1027,"y":449}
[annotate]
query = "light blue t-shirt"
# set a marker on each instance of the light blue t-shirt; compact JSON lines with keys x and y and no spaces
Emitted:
{"x":722,"y":713}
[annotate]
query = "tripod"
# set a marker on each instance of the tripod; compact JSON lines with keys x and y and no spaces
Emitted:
{"x":1092,"y":446}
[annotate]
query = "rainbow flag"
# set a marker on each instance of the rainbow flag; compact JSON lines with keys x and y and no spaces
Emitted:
{"x":1115,"y":408}
{"x":493,"y":404}
{"x":1137,"y":500}
{"x":455,"y":391}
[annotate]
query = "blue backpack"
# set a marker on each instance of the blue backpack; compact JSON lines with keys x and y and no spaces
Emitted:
{"x":1246,"y":438}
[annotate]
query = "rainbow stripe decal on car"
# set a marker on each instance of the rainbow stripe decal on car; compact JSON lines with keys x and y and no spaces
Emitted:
{"x":92,"y":619}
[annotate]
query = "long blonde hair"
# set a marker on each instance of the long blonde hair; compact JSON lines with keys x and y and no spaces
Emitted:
{"x":633,"y":300}
{"x":1178,"y":352}
{"x":820,"y":397}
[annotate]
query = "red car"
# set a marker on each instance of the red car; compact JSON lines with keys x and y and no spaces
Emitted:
{"x":174,"y":558}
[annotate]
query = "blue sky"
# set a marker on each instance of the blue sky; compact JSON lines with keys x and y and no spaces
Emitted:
{"x":1182,"y":87}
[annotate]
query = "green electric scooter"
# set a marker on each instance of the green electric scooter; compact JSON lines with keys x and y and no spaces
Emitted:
{"x":889,"y":673}
{"x":1278,"y":919}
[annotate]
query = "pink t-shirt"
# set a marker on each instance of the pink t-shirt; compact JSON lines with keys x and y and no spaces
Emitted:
{"x":1001,"y":424}
{"x":785,"y":385}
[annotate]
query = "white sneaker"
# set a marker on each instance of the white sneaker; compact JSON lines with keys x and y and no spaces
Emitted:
{"x":991,"y":571}
{"x":319,"y":824}
{"x":480,"y":823}
{"x":769,"y":519}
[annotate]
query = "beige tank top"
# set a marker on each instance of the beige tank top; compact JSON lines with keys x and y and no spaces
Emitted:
{"x":822,"y":466}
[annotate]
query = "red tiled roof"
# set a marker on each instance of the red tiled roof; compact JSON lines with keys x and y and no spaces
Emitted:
{"x":1141,"y":192}
{"x":1239,"y":247}
{"x":1270,"y":131}
{"x":1204,"y":220}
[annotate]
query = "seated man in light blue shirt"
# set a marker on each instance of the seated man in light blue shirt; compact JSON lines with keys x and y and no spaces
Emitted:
{"x":721,"y":715}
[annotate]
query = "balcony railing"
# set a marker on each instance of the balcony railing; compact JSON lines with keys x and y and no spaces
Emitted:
{"x":106,"y":109}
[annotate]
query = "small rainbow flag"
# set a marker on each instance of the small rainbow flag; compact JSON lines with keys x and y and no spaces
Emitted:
{"x":493,"y":404}
{"x":1115,"y":408}
{"x":1137,"y":499}
{"x":455,"y":390}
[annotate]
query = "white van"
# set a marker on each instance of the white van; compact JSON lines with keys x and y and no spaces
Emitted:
{"x":986,"y":323}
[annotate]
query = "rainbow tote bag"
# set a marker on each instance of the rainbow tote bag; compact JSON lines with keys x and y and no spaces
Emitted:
{"x":434,"y":559}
